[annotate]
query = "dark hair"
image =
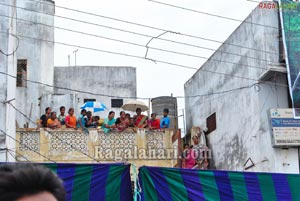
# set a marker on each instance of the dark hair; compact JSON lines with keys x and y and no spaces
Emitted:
{"x":138,"y":109}
{"x":47,"y":108}
{"x":70,"y":109}
{"x":186,"y":144}
{"x":153,"y":114}
{"x":62,"y":107}
{"x":166,"y":110}
{"x":88,"y":112}
{"x":97,"y":117}
{"x":111,"y":112}
{"x":195,"y":136}
{"x":52,"y":113}
{"x":21,"y":179}
{"x":83,"y":110}
{"x":122,"y":112}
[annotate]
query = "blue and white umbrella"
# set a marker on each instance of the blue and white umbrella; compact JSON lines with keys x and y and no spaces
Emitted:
{"x":94,"y":106}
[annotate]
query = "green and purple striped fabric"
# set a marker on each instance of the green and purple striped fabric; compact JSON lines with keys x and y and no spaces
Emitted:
{"x":185,"y":184}
{"x":94,"y":182}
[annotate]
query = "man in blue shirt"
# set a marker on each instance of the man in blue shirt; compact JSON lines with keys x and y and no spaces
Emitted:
{"x":165,"y":121}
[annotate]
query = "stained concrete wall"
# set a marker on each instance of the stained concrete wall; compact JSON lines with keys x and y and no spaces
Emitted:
{"x":106,"y":82}
{"x":8,"y":45}
{"x":241,"y":114}
{"x":39,"y":55}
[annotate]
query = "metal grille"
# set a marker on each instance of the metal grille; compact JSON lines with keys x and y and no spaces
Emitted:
{"x":22,"y":73}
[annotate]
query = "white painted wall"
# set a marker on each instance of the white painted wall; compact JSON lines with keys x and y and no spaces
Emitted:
{"x":39,"y":55}
{"x":7,"y":84}
{"x":242,"y":121}
{"x":109,"y":81}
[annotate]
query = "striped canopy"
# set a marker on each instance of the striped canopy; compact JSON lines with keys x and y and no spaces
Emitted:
{"x":187,"y":184}
{"x":94,"y":182}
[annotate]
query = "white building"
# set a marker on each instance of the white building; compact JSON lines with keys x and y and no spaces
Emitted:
{"x":243,"y":88}
{"x":8,"y":58}
{"x":32,"y":81}
{"x":75,"y":85}
{"x":35,"y":57}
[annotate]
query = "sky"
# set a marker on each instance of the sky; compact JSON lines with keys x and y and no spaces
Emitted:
{"x":153,"y":78}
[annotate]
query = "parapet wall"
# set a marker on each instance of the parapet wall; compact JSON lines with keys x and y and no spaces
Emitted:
{"x":68,"y":145}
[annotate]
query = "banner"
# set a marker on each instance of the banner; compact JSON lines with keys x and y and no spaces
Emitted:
{"x":94,"y":182}
{"x":290,"y":20}
{"x":188,"y":184}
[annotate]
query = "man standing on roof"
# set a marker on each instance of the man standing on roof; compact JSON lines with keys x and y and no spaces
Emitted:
{"x":165,"y":121}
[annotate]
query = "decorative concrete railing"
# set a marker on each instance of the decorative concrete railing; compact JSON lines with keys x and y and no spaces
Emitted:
{"x":158,"y":148}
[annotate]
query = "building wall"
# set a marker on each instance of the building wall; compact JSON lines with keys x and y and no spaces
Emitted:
{"x":39,"y":55}
{"x":109,"y":82}
{"x":241,"y":115}
{"x":8,"y":44}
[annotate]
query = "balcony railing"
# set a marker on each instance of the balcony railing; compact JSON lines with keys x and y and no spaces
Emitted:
{"x":158,"y":148}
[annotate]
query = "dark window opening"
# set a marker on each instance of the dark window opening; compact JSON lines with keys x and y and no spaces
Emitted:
{"x":116,"y":103}
{"x":89,"y":100}
{"x":211,"y":123}
{"x":22,"y":73}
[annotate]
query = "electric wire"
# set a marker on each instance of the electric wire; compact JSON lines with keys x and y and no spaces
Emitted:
{"x":7,"y":135}
{"x":158,"y":49}
{"x":140,"y":57}
{"x":131,"y":32}
{"x":146,"y":26}
{"x":15,"y":50}
{"x":210,"y":14}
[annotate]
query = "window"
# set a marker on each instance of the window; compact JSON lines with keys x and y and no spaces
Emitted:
{"x":116,"y":103}
{"x":211,"y":123}
{"x":89,"y":100}
{"x":22,"y":73}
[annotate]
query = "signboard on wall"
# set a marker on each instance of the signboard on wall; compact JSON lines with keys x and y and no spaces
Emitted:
{"x":285,"y":129}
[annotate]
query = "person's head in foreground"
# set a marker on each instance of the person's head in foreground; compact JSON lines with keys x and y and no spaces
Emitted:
{"x":29,"y":182}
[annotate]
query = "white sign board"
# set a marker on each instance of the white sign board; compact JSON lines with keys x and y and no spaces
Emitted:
{"x":285,"y":130}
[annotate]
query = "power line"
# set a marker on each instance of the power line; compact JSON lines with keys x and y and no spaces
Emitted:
{"x":26,"y":146}
{"x":15,"y":50}
{"x":24,"y":115}
{"x":91,"y":93}
{"x":140,"y":57}
{"x":146,"y":46}
{"x":68,"y":89}
{"x":213,"y":15}
{"x":222,"y":92}
{"x":142,"y":98}
{"x":131,"y":32}
{"x":147,"y":26}
{"x":18,"y":154}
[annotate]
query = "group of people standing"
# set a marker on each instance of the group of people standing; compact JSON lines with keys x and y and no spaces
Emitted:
{"x":137,"y":121}
{"x":86,"y":120}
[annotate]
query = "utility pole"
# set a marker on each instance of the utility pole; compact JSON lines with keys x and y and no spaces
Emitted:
{"x":68,"y":60}
{"x":75,"y":52}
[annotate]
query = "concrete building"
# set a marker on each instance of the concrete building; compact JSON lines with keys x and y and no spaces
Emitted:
{"x":244,"y":78}
{"x":8,"y":47}
{"x":112,"y":86}
{"x":35,"y":57}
